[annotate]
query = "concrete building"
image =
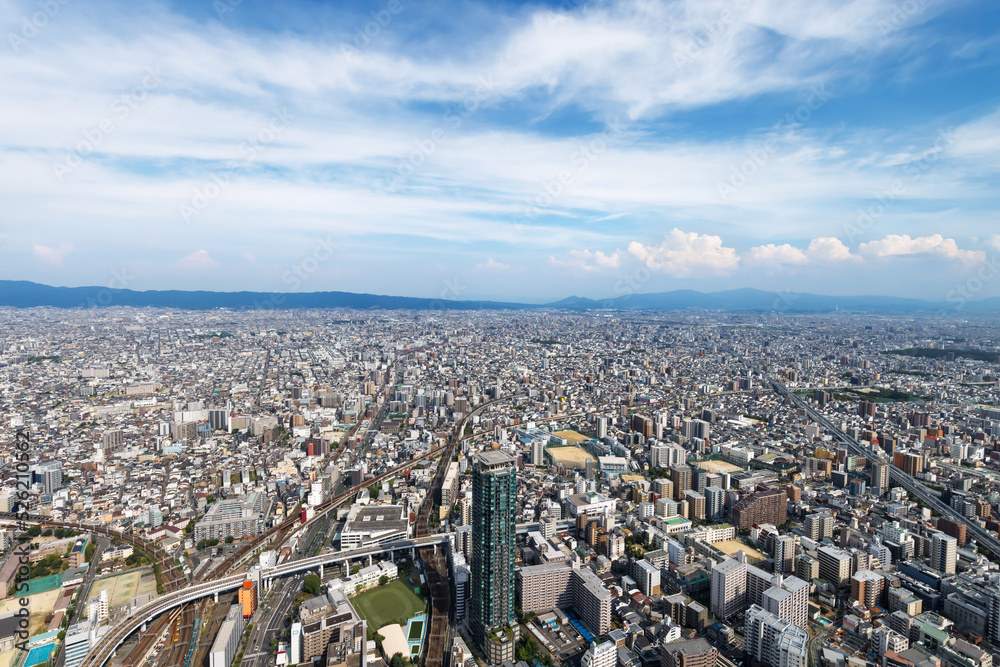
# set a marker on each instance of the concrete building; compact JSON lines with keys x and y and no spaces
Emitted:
{"x":789,"y":599}
{"x":760,"y":507}
{"x":835,"y":565}
{"x":368,"y":525}
{"x":818,"y":526}
{"x":227,"y":640}
{"x":868,"y":588}
{"x":648,"y":577}
{"x":944,"y":553}
{"x":690,"y":653}
{"x":774,"y":641}
{"x":729,"y":588}
{"x":600,"y":655}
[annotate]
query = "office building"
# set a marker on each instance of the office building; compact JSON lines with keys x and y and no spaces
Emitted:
{"x":492,"y":587}
{"x":78,"y":640}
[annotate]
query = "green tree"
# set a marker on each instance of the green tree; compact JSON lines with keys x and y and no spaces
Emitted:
{"x":229,"y":539}
{"x":398,"y":660}
{"x":312,"y":584}
{"x":89,"y":553}
{"x":383,"y":580}
{"x":189,"y":528}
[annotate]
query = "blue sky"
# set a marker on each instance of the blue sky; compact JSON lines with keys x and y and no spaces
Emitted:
{"x":517,"y":151}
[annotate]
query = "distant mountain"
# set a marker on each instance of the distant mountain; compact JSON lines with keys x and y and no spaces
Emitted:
{"x":748,"y":299}
{"x":23,"y":294}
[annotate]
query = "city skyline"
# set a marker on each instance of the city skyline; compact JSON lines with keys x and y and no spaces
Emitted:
{"x":516,"y":152}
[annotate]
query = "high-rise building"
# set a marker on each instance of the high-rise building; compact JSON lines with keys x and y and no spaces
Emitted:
{"x":818,"y":526}
{"x":880,"y":476}
{"x":647,"y":576}
{"x":49,"y":475}
{"x":680,"y":475}
{"x":806,"y":567}
{"x":491,"y":596}
{"x":788,"y":598}
{"x":248,"y":598}
{"x":696,"y":505}
{"x":774,"y":641}
{"x":761,"y":507}
{"x":784,"y":554}
{"x":835,"y":565}
{"x":600,"y":655}
{"x":690,"y":653}
{"x":953,"y":528}
{"x":868,"y":587}
{"x":944,"y":552}
{"x":715,"y":503}
{"x":729,"y":588}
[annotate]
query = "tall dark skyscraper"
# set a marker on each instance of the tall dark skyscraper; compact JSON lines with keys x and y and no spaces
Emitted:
{"x":491,"y":604}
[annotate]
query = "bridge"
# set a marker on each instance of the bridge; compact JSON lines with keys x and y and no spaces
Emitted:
{"x":144,"y":614}
{"x":912,"y":486}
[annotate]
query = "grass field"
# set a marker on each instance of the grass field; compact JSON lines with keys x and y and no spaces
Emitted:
{"x":570,"y":456}
{"x":384,"y":604}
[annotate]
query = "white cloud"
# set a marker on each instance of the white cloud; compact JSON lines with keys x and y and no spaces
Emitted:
{"x":589,"y":261}
{"x":829,"y":249}
{"x":199,"y":259}
{"x":52,"y":255}
{"x":687,"y":253}
{"x":895,"y":245}
{"x":777,"y":254}
{"x":492,"y":265}
{"x":822,"y":249}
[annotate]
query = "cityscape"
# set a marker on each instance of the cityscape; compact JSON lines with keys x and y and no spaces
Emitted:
{"x":499,"y":487}
{"x":524,"y":333}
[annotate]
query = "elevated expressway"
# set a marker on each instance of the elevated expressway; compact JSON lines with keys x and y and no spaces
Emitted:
{"x":110,"y":642}
{"x":912,"y":486}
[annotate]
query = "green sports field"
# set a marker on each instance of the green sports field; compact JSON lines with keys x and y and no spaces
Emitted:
{"x":384,"y":604}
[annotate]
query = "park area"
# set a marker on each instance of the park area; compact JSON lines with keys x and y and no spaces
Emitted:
{"x":569,"y":456}
{"x":124,"y":587}
{"x":392,"y":603}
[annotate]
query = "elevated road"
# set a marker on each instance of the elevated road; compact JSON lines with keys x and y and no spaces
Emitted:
{"x":111,"y":641}
{"x":912,"y":485}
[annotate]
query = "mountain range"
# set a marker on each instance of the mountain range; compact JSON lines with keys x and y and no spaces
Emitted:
{"x":24,"y":294}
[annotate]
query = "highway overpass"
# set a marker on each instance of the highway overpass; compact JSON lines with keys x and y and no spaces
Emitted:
{"x":109,"y":643}
{"x":912,"y":486}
